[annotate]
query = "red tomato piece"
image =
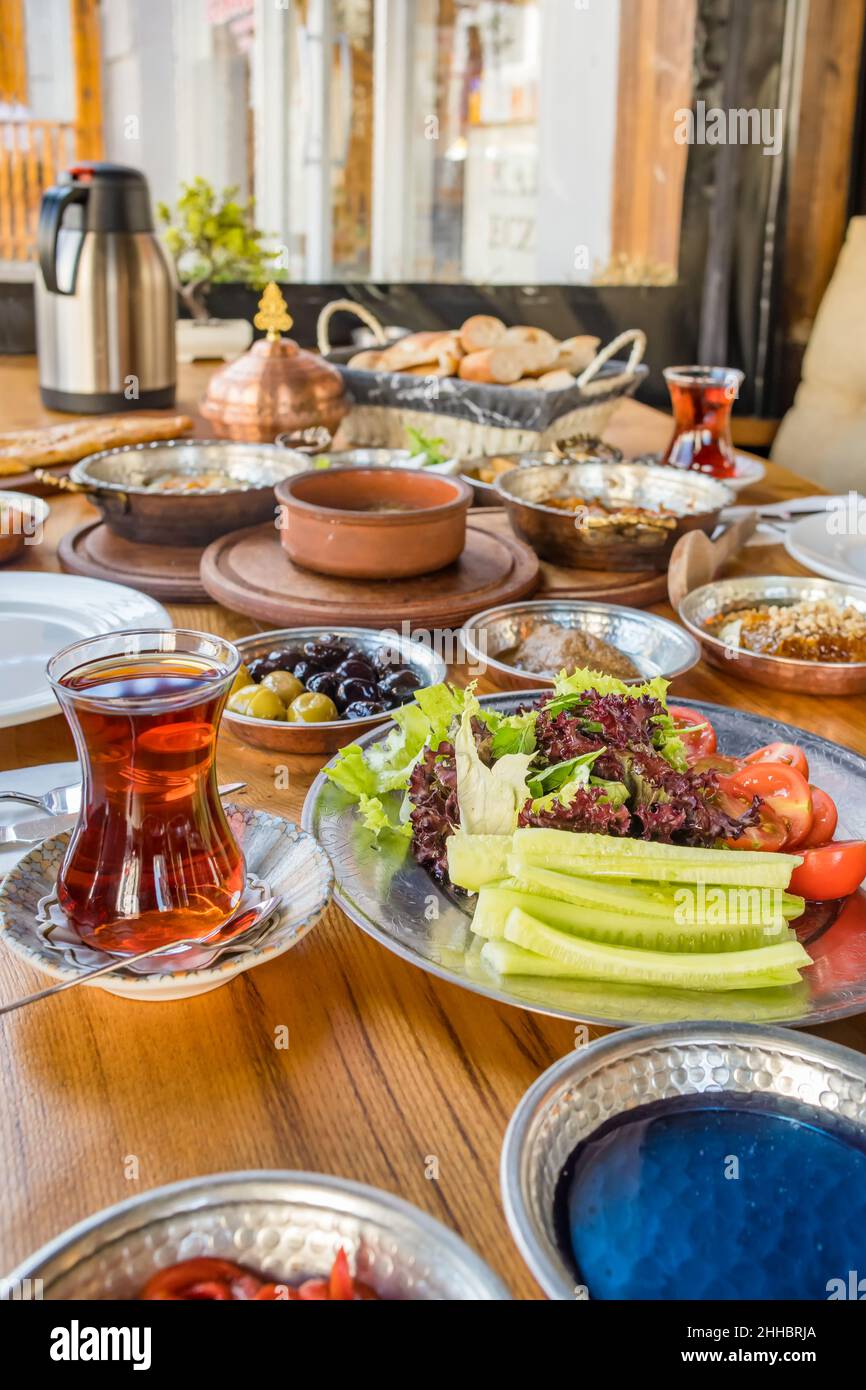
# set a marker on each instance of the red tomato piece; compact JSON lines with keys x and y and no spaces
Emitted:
{"x":716,"y":762}
{"x":702,"y":740}
{"x":340,"y":1285}
{"x":784,"y":790}
{"x":788,"y":753}
{"x":177,"y":1279}
{"x":830,"y":871}
{"x":315,"y":1289}
{"x":824,"y":820}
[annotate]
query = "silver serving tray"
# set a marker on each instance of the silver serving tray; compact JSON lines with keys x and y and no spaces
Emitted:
{"x":615,"y":1074}
{"x":386,"y":893}
{"x":780,"y":672}
{"x":657,"y":646}
{"x":285,"y":1224}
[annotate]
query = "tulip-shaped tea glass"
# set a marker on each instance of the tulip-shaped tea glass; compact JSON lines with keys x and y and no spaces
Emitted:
{"x":702,"y":399}
{"x":152,"y":859}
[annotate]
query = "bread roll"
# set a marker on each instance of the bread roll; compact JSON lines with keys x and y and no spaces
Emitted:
{"x":480,"y":331}
{"x":540,"y":348}
{"x":366,"y":361}
{"x":556,"y":380}
{"x":496,"y":366}
{"x":575,"y":354}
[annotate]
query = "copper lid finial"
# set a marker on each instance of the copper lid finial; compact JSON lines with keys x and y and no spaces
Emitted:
{"x":273,"y":313}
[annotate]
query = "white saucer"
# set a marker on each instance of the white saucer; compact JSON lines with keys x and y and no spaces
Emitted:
{"x":40,"y":614}
{"x":816,"y":543}
{"x":289,"y":860}
{"x":749,"y":471}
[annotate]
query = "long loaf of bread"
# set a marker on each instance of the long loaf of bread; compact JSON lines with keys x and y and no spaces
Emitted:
{"x":75,"y":439}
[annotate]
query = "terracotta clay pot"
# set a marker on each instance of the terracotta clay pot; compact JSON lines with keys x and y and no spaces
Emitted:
{"x":373,"y":523}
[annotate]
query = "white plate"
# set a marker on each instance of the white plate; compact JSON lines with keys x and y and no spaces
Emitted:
{"x":39,"y":614}
{"x":815,"y":542}
{"x":749,"y":471}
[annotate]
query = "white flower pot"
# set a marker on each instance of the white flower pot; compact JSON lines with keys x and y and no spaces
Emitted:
{"x":198,"y":339}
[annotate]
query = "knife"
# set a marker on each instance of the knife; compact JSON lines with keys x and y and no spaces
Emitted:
{"x":28,"y":832}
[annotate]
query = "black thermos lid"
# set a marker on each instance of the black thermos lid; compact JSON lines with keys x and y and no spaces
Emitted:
{"x":117,"y":199}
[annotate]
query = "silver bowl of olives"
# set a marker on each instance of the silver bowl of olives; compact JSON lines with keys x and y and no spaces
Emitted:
{"x":303,"y":690}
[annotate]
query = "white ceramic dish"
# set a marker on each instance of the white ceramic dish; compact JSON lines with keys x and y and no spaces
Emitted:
{"x":40,"y":614}
{"x":749,"y":471}
{"x":830,"y":545}
{"x":287,"y":859}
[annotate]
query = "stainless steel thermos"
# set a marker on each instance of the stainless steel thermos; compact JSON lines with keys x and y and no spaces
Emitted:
{"x":105,"y":295}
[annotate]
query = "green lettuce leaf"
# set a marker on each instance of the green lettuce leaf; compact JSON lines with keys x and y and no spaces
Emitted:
{"x":489,"y":798}
{"x":387,"y":764}
{"x":512,"y":733}
{"x":376,"y":818}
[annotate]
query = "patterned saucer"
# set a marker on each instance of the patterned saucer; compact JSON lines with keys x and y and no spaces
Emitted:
{"x":287,"y":859}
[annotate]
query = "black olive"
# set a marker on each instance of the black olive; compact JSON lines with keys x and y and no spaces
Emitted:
{"x":324,"y":683}
{"x":360,"y":709}
{"x":285,"y":658}
{"x":353,"y":689}
{"x":402,"y":683}
{"x":259,"y":668}
{"x":305,"y":669}
{"x":325,"y":654}
{"x":357,"y":666}
{"x":387,"y":658}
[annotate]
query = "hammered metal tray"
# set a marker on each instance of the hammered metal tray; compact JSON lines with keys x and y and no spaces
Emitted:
{"x":386,"y":893}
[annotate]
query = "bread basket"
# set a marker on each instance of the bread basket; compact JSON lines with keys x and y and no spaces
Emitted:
{"x":473,"y":418}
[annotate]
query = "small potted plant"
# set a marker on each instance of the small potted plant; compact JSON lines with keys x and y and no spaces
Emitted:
{"x":212,"y":238}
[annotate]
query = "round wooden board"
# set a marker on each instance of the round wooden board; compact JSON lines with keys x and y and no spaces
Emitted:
{"x":250,"y":572}
{"x":168,"y":573}
{"x":632,"y":589}
{"x":28,"y":482}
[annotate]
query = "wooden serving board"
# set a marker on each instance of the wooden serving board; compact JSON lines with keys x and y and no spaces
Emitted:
{"x":168,"y":573}
{"x":632,"y":588}
{"x":27,"y":481}
{"x":250,"y":572}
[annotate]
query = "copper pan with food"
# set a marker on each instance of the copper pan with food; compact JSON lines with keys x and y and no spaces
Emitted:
{"x":184,"y":491}
{"x":482,"y":473}
{"x":609,"y":516}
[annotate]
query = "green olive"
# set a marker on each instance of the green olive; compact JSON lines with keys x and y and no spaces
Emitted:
{"x":311,"y":708}
{"x":284,"y":684}
{"x":266,"y":704}
{"x":239,"y":699}
{"x":241,"y":681}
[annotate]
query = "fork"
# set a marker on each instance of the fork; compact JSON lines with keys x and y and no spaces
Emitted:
{"x":62,"y":801}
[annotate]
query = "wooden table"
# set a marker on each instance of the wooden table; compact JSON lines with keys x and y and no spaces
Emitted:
{"x":387,"y":1066}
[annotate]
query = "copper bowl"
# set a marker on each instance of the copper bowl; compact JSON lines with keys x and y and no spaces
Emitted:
{"x":780,"y":672}
{"x":576,"y":450}
{"x":286,"y":736}
{"x":275,"y":386}
{"x":21,"y":521}
{"x":650,"y":507}
{"x":121,"y":482}
{"x":373,"y":523}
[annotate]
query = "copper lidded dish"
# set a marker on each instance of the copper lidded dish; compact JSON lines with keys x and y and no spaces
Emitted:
{"x":703,"y":607}
{"x":373,"y":523}
{"x":609,"y":516}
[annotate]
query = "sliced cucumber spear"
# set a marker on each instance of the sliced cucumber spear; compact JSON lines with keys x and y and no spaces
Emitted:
{"x":495,"y":902}
{"x":751,"y":969}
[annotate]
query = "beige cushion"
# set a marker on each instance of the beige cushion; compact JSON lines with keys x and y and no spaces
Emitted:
{"x":823,"y":435}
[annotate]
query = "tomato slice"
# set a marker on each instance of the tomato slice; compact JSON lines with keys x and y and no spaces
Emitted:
{"x":824,"y":820}
{"x":203,"y":1272}
{"x":830,"y":871}
{"x":788,"y":753}
{"x":716,"y":762}
{"x":785,"y":791}
{"x":702,"y":740}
